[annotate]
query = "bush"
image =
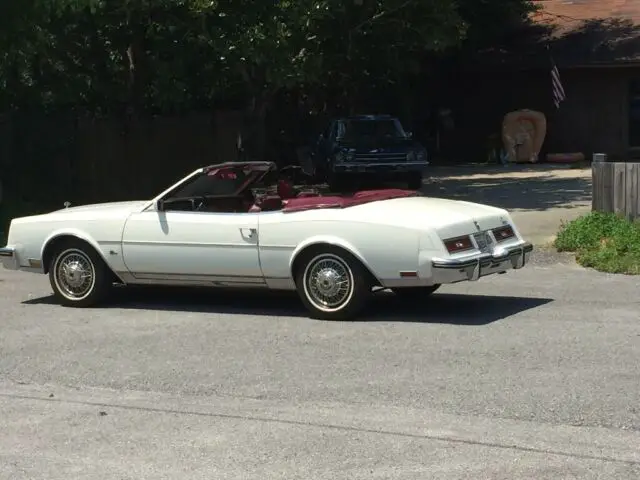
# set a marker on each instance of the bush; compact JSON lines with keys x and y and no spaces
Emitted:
{"x":604,"y":241}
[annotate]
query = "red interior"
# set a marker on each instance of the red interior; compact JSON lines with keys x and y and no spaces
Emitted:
{"x":343,"y":201}
{"x":310,"y":200}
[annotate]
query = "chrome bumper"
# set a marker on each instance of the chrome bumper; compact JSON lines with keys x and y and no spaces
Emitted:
{"x":500,"y":260}
{"x":375,"y":167}
{"x":8,"y":258}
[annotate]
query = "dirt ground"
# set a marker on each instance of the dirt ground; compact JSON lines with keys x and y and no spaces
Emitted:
{"x":540,"y":197}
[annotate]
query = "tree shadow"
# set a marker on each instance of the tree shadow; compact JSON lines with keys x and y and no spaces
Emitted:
{"x":452,"y":309}
{"x":537,"y":193}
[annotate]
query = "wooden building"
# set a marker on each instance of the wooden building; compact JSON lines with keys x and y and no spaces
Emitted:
{"x":596,"y":47}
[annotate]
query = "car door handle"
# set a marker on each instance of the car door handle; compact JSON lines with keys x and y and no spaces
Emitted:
{"x":248,"y":232}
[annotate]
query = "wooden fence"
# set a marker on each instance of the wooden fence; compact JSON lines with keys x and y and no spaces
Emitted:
{"x":616,"y":188}
{"x":47,"y":159}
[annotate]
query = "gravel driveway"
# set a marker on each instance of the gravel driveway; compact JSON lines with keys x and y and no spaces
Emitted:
{"x":530,"y":375}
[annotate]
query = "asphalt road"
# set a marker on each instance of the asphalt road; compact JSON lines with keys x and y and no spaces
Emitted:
{"x":530,"y":375}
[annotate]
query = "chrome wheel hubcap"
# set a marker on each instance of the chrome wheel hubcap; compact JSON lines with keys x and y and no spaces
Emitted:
{"x":74,"y":274}
{"x":328,"y":282}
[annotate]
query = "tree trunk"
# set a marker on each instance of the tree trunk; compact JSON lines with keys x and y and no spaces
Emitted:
{"x":254,"y":137}
{"x":135,"y":59}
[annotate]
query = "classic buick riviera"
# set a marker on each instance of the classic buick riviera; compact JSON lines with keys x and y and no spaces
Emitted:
{"x":221,"y":226}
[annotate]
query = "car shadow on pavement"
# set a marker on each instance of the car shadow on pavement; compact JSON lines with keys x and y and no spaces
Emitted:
{"x":533,"y":193}
{"x":445,"y":308}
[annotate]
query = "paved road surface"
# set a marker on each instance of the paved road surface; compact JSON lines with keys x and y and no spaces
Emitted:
{"x":531,"y":375}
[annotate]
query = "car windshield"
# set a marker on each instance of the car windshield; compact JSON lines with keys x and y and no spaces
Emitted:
{"x":353,"y":129}
{"x":218,"y":182}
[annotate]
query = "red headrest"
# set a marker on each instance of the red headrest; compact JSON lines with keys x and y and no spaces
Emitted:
{"x":285,"y":189}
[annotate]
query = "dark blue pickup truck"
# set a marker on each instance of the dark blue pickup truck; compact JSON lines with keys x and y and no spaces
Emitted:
{"x":368,"y":145}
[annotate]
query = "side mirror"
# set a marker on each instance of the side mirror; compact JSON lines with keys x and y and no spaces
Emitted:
{"x":159,"y":205}
{"x":409,"y":134}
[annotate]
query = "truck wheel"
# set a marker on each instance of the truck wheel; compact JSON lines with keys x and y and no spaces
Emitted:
{"x":415,"y":181}
{"x":319,"y":171}
{"x":338,"y":182}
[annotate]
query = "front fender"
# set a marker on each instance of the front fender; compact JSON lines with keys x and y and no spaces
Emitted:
{"x":70,"y":232}
{"x":110,"y":252}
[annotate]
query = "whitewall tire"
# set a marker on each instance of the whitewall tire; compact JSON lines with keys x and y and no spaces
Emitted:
{"x":332,"y":284}
{"x":78,"y":276}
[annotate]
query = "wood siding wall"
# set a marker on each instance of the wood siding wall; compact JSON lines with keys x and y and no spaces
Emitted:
{"x":593,"y":118}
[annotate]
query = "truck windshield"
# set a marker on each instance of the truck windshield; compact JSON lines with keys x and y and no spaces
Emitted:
{"x":387,"y":128}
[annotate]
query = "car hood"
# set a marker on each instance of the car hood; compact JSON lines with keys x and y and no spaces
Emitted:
{"x":126,"y":207}
{"x":377,"y":145}
{"x":87,"y":212}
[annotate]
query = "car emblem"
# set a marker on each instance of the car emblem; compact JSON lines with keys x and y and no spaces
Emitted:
{"x":477,"y":225}
{"x":375,"y":150}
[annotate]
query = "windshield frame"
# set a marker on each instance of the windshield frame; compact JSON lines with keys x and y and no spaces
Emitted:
{"x":258,"y":171}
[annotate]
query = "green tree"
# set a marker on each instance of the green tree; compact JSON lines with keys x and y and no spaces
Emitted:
{"x":172,"y":55}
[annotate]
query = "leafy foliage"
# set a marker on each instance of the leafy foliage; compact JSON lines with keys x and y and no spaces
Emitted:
{"x":172,"y":55}
{"x":603,"y":241}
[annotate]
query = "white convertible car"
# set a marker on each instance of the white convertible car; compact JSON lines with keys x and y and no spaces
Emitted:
{"x":215,"y":228}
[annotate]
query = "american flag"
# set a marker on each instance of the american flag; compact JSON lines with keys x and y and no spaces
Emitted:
{"x":556,"y":84}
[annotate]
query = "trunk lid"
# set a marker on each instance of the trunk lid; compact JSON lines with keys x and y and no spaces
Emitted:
{"x":450,"y":218}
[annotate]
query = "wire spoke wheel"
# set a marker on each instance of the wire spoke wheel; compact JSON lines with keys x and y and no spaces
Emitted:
{"x":328,"y":282}
{"x":74,"y":274}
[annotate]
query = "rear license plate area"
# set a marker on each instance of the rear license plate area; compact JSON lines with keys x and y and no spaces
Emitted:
{"x":484,"y":241}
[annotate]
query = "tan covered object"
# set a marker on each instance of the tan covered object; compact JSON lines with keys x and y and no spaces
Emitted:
{"x":523,"y":133}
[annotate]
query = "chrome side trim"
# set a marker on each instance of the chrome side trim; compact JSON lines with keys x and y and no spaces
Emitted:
{"x":374,"y":164}
{"x":34,"y":262}
{"x":9,"y":258}
{"x":280,"y":283}
{"x":187,"y":277}
{"x":145,"y":243}
{"x":145,"y":278}
{"x":274,"y":283}
{"x":486,"y":259}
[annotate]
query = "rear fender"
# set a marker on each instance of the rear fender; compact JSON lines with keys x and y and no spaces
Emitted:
{"x":327,"y":240}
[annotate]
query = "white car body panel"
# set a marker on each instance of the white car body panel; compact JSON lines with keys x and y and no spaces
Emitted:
{"x":191,"y":246}
{"x":399,"y":240}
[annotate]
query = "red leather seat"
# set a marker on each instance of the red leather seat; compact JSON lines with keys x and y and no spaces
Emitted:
{"x":307,"y":194}
{"x":271,"y":203}
{"x":267,"y":204}
{"x":285,"y":189}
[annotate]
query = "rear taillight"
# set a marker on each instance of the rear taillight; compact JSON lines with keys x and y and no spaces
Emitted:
{"x":460,"y":244}
{"x":503,"y":233}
